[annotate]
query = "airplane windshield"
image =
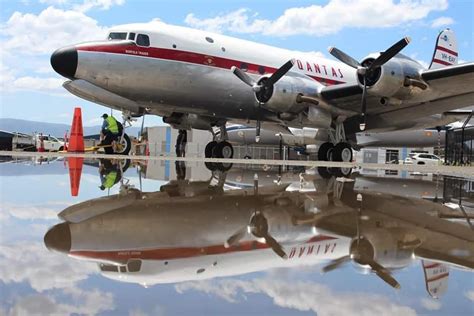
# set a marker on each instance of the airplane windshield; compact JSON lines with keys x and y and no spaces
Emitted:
{"x":117,"y":36}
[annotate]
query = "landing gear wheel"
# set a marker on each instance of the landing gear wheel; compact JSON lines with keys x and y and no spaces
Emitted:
{"x":342,"y":152}
{"x":341,"y":172}
{"x":223,"y":150}
{"x":324,"y":152}
{"x":122,"y":145}
{"x":211,"y":166}
{"x":324,"y":173}
{"x":209,"y":148}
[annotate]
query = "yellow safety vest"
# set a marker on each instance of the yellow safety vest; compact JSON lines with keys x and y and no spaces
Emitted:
{"x":110,"y":179}
{"x":112,"y":125}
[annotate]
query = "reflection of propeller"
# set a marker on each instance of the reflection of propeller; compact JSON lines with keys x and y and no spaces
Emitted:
{"x":369,"y":71}
{"x":258,"y":227}
{"x":262,"y":88}
{"x":362,"y":252}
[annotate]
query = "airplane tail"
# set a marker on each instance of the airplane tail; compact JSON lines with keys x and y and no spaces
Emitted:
{"x":446,"y":50}
{"x":436,"y":278}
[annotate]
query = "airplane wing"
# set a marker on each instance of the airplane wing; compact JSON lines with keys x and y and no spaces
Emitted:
{"x":449,"y":88}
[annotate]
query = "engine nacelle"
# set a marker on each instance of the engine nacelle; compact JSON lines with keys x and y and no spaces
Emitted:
{"x":189,"y":121}
{"x":389,"y":81}
{"x":391,"y":248}
{"x":282,"y":98}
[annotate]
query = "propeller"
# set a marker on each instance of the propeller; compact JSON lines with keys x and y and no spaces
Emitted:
{"x":263,"y":88}
{"x":258,"y":227}
{"x":362,"y":252}
{"x":369,"y":70}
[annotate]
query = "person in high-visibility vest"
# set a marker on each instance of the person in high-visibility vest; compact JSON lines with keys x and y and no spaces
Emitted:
{"x":110,"y":174}
{"x":110,"y":131}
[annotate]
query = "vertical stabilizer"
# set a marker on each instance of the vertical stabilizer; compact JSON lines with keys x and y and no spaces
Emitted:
{"x":436,"y":278}
{"x":446,"y":50}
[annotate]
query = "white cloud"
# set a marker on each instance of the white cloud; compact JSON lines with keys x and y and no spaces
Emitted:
{"x":442,"y":21}
{"x":469,"y":295}
{"x":42,"y":269}
{"x":319,"y":20}
{"x":430,"y":304}
{"x":30,"y":34}
{"x":100,"y":4}
{"x":31,"y":212}
{"x":302,"y":296}
{"x":85,"y":303}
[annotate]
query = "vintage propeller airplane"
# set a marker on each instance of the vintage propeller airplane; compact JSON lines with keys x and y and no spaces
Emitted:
{"x":196,"y":79}
{"x":166,"y":237}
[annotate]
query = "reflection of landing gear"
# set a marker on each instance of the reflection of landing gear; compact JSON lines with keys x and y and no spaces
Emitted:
{"x":221,"y":148}
{"x":338,"y":149}
{"x":327,"y":173}
{"x":218,"y":166}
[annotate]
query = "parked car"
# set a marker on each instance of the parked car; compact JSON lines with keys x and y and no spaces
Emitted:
{"x":50,"y":143}
{"x":423,"y":159}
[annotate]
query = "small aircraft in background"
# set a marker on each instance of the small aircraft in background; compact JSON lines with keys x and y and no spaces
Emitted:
{"x":196,"y":79}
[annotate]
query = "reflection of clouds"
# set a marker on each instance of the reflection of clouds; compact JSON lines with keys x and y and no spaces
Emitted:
{"x":86,"y":303}
{"x":53,"y":275}
{"x":469,"y":295}
{"x":46,"y":211}
{"x":430,"y":304}
{"x":42,"y":269}
{"x":302,"y":296}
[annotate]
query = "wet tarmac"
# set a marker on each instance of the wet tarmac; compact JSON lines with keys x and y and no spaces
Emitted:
{"x":89,"y":235}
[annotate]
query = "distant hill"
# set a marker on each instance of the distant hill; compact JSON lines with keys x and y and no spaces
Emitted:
{"x":54,"y":129}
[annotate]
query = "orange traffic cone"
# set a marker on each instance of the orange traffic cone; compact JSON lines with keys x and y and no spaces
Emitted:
{"x":76,"y":140}
{"x":75,"y":172}
{"x":41,"y":146}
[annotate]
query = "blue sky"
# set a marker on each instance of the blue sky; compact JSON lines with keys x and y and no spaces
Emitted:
{"x":32,"y":30}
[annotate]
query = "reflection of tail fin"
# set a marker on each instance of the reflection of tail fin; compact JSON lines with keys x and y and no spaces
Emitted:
{"x":436,"y":278}
{"x":446,"y":50}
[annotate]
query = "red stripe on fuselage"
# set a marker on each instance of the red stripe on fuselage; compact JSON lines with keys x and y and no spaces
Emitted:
{"x":444,"y":49}
{"x":176,"y":253}
{"x":193,"y":58}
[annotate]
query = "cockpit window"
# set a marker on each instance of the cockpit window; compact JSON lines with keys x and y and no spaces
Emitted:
{"x":117,"y":36}
{"x":143,"y":40}
{"x":131,"y":36}
{"x":108,"y":268}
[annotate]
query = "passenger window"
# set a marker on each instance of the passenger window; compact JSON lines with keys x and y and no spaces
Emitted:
{"x":117,"y":36}
{"x":143,"y":40}
{"x":131,"y":36}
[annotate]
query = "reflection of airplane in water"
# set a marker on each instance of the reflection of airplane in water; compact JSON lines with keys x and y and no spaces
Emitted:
{"x":194,"y":231}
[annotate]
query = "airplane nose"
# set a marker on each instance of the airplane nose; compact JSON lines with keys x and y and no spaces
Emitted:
{"x":64,"y":61}
{"x":58,"y":238}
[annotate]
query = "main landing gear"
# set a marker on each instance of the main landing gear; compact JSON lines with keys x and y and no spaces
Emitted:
{"x":337,"y":149}
{"x":219,"y":147}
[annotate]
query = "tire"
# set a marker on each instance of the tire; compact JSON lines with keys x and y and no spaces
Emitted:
{"x":211,"y":166}
{"x":126,"y":146}
{"x":209,"y":149}
{"x":324,"y":151}
{"x":223,"y":150}
{"x":324,"y":173}
{"x":341,"y":172}
{"x":342,"y":152}
{"x":223,"y":166}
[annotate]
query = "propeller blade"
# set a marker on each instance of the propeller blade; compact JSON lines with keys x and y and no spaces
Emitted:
{"x":389,"y":53}
{"x":364,"y":105}
{"x":276,"y":247}
{"x":383,"y":274}
{"x":346,"y":59}
{"x":236,"y":237}
{"x":336,"y":263}
{"x":277,"y":75}
{"x":244,"y":77}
